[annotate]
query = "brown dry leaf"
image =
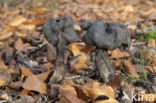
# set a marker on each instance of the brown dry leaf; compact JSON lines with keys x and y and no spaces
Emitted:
{"x":118,"y":63}
{"x":51,"y":52}
{"x":43,"y":76}
{"x":118,"y":54}
{"x":76,"y":68}
{"x":128,"y":8}
{"x":4,"y":78}
{"x":150,"y":69}
{"x":27,"y":27}
{"x":67,"y":94}
{"x":6,"y":36}
{"x":46,"y":67}
{"x":23,"y":36}
{"x":40,"y":11}
{"x":94,"y":90}
{"x":3,"y":67}
{"x":115,"y":83}
{"x":22,"y":47}
{"x":154,"y":61}
{"x":74,"y":48}
{"x":77,"y":27}
{"x":26,"y":92}
{"x":18,"y":20}
{"x":16,"y":85}
{"x":19,"y":44}
{"x":33,"y":83}
{"x":151,"y":43}
{"x":130,"y":68}
{"x":25,"y":72}
{"x":37,"y":21}
{"x":79,"y":63}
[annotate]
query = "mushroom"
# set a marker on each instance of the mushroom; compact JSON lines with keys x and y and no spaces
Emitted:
{"x":59,"y":32}
{"x":106,"y":36}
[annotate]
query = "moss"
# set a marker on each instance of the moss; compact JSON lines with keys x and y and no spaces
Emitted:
{"x":151,"y":34}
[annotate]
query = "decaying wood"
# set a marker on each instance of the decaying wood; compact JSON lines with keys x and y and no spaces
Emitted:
{"x":104,"y":66}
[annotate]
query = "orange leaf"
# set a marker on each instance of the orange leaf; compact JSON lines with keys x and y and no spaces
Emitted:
{"x":17,"y":20}
{"x":154,"y":61}
{"x":118,"y":54}
{"x":26,"y":92}
{"x":151,"y":43}
{"x":6,"y":36}
{"x":94,"y":90}
{"x":33,"y":83}
{"x":27,"y":27}
{"x":37,"y":21}
{"x":41,"y":11}
{"x":76,"y":68}
{"x":26,"y":71}
{"x":19,"y":44}
{"x":67,"y":94}
{"x":74,"y":48}
{"x":43,"y":76}
{"x":130,"y":68}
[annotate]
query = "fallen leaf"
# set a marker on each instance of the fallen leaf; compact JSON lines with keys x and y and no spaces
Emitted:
{"x":78,"y":63}
{"x":19,"y":44}
{"x":27,"y":27}
{"x":33,"y":83}
{"x":5,"y":96}
{"x":77,"y":27}
{"x":25,"y":72}
{"x":23,"y":36}
{"x":46,"y":67}
{"x":118,"y":63}
{"x":4,"y":78}
{"x":115,"y":83}
{"x":151,"y":43}
{"x":43,"y":76}
{"x":3,"y":67}
{"x":51,"y":52}
{"x":154,"y":61}
{"x":118,"y":54}
{"x":16,"y":85}
{"x":76,"y":68}
{"x":128,"y":8}
{"x":6,"y":36}
{"x":26,"y":92}
{"x":18,"y":20}
{"x":37,"y":21}
{"x":150,"y":69}
{"x":74,"y":48}
{"x":67,"y":94}
{"x":130,"y":68}
{"x":94,"y":90}
{"x":40,"y":11}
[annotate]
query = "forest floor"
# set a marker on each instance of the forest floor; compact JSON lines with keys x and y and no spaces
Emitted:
{"x":25,"y":54}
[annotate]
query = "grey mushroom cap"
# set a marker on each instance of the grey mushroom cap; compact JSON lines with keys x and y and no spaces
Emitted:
{"x":108,"y":36}
{"x":60,"y":26}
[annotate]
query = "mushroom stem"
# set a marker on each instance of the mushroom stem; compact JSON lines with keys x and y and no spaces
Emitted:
{"x":59,"y":64}
{"x":104,"y":65}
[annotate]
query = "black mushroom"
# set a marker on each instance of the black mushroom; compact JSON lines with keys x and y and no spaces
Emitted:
{"x":106,"y":36}
{"x":59,"y":32}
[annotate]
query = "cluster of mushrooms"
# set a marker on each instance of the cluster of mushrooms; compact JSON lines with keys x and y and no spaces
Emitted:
{"x":104,"y":36}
